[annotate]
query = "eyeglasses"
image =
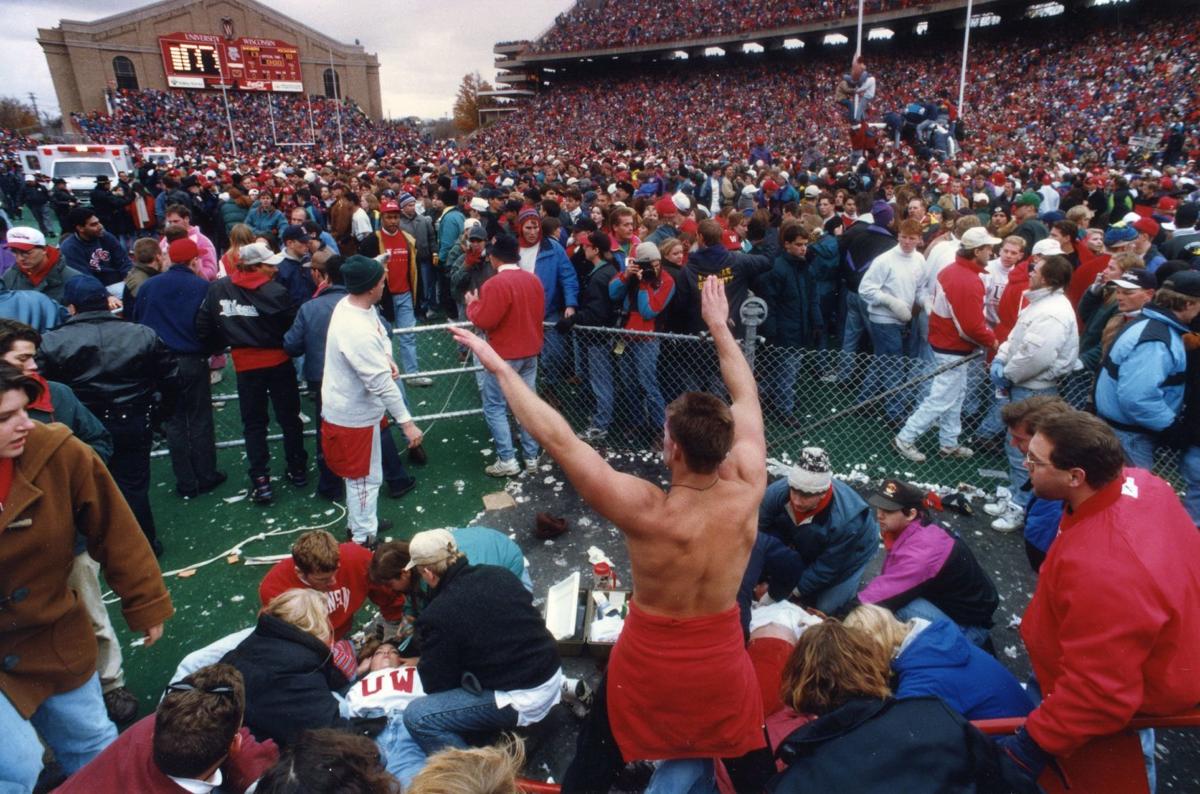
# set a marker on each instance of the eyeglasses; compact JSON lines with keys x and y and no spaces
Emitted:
{"x":181,"y":686}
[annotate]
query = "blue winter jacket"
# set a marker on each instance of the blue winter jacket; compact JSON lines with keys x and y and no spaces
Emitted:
{"x":940,"y":661}
{"x":1042,"y":517}
{"x":450,"y":228}
{"x":32,"y":308}
{"x":837,"y":542}
{"x":557,"y":274}
{"x":309,"y":330}
{"x":265,"y":222}
{"x":1141,"y":382}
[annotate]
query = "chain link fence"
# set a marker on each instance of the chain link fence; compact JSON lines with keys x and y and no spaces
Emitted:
{"x":613,"y":385}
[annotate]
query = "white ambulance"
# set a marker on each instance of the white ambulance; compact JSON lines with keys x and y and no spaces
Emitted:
{"x":78,"y":164}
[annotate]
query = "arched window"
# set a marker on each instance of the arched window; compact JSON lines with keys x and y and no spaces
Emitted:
{"x":125,"y":73}
{"x":333,"y":85}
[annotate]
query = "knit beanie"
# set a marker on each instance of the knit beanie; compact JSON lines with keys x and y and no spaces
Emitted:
{"x":812,"y":474}
{"x":361,"y":273}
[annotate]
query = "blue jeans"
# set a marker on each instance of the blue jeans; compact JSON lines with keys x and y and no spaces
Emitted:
{"x":556,"y":353}
{"x":684,"y":776}
{"x":922,"y":608}
{"x":439,"y":721}
{"x":74,"y":724}
{"x":779,"y":381}
{"x":640,"y":372}
{"x":834,"y":597}
{"x":1191,"y":476}
{"x":600,"y":379}
{"x":402,"y":756}
{"x":1138,"y":448}
{"x":429,"y":285}
{"x":403,"y":306}
{"x":495,"y":409}
{"x":887,"y":368}
{"x":852,"y":332}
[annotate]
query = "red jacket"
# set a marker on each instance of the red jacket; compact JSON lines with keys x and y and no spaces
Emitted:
{"x":1090,"y":266}
{"x":510,"y":311}
{"x":128,"y":765}
{"x":350,"y":588}
{"x":956,"y":324}
{"x":1114,"y":625}
{"x":1012,"y":300}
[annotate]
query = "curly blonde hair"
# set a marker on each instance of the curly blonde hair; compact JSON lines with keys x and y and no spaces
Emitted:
{"x":305,"y":609}
{"x":479,"y":770}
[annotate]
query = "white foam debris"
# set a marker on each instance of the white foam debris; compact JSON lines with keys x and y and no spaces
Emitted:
{"x":485,"y":451}
{"x":330,"y":511}
{"x":1010,"y":651}
{"x":420,"y":509}
{"x":231,"y":499}
{"x":584,"y":521}
{"x":237,"y":599}
{"x":1014,"y":621}
{"x":549,"y":480}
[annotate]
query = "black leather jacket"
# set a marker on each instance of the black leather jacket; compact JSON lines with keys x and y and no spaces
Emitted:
{"x":108,"y":362}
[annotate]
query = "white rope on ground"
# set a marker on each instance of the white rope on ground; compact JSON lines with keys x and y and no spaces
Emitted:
{"x":109,"y":597}
{"x":962,"y":78}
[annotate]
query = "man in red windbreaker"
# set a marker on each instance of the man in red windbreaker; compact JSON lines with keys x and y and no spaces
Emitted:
{"x":1113,"y":629}
{"x":957,"y":328}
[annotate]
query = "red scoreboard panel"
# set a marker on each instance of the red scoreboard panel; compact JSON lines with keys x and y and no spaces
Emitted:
{"x":198,"y":60}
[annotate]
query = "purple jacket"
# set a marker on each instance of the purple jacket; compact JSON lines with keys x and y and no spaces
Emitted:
{"x":928,"y":562}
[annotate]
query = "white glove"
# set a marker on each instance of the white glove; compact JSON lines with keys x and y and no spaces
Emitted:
{"x":898,"y":307}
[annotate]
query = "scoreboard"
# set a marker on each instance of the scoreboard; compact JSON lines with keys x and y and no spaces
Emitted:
{"x":198,"y":60}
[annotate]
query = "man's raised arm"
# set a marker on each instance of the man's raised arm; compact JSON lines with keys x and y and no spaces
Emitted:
{"x":619,"y":497}
{"x":748,"y":436}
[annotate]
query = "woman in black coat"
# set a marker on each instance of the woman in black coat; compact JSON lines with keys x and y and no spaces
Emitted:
{"x":864,"y":740}
{"x":288,"y":668}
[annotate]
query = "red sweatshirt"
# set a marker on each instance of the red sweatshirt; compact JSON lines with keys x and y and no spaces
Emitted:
{"x":1090,"y":266}
{"x":510,"y":311}
{"x":350,"y":588}
{"x":1012,"y":300}
{"x":1114,"y":625}
{"x":956,"y":324}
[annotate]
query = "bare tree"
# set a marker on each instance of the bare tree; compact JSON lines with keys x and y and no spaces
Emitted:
{"x":17,"y":115}
{"x":468,"y":102}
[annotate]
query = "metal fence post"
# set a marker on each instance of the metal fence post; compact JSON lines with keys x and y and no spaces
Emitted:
{"x":753,"y":312}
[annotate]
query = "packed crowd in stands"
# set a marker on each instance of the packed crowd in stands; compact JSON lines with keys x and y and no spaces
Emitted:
{"x":1048,"y":282}
{"x":606,"y":24}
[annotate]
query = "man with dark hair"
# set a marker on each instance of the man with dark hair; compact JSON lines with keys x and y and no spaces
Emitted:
{"x":91,"y":248}
{"x":179,"y":216}
{"x":1040,"y":517}
{"x":793,"y":317}
{"x":688,"y":548}
{"x":249,"y":311}
{"x":735,"y":270}
{"x":195,"y":742}
{"x":1113,"y":629}
{"x":168,"y":305}
{"x":117,"y":369}
{"x":54,"y":486}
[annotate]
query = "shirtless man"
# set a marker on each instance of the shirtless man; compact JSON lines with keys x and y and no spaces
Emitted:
{"x":679,"y":683}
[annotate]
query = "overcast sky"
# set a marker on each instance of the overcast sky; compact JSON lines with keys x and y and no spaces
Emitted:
{"x":424,"y":48}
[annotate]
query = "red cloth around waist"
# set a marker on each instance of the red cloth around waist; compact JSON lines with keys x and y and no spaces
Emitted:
{"x":683,"y":688}
{"x":347,"y":450}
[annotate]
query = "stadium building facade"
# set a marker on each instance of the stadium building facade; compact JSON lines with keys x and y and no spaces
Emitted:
{"x":203,"y":44}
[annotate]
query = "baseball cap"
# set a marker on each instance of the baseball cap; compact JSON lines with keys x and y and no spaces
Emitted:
{"x":897,"y":495}
{"x":1185,"y":282}
{"x":646,"y":252}
{"x":1147,"y":226}
{"x":390,"y":205}
{"x":1028,"y":199}
{"x":183,"y":250}
{"x":295,"y":232}
{"x":83,"y":292}
{"x":977,"y":236}
{"x":477,"y":232}
{"x":431,"y":546}
{"x":257,"y":254}
{"x":23,"y":238}
{"x":1119,"y":234}
{"x":812,"y":191}
{"x":1137,"y":278}
{"x":1167,"y":204}
{"x":1047,"y":247}
{"x":479,"y":204}
{"x":666,"y":206}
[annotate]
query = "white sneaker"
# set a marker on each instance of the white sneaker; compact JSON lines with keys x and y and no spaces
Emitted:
{"x":419,"y":382}
{"x":503,"y":468}
{"x":531,"y":465}
{"x":578,"y":695}
{"x":999,"y":508}
{"x":1011,"y":521}
{"x":593,"y":434}
{"x":1003,"y":494}
{"x":956,"y":452}
{"x":908,"y":450}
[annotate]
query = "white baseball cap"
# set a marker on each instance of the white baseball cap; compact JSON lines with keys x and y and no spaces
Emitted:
{"x":1047,"y":247}
{"x":977,"y":236}
{"x":23,"y":238}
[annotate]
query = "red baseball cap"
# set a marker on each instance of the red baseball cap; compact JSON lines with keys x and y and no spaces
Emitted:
{"x":1168,"y":204}
{"x":182,"y":251}
{"x":391,"y":205}
{"x":1147,"y":226}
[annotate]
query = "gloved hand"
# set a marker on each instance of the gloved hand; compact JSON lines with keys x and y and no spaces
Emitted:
{"x":1021,"y":761}
{"x":997,"y":375}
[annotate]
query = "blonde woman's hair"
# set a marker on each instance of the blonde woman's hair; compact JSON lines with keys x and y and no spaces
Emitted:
{"x":880,"y":625}
{"x":240,"y":234}
{"x":305,"y":609}
{"x":480,"y":770}
{"x":832,"y":665}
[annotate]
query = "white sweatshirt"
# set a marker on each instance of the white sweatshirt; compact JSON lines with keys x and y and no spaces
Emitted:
{"x":357,"y":388}
{"x":891,"y":285}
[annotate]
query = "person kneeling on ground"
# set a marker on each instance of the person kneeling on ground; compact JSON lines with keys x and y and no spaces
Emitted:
{"x":829,"y":525}
{"x":487,"y":660}
{"x":934,"y":658}
{"x":329,"y":762}
{"x":195,"y":742}
{"x":928,"y":572}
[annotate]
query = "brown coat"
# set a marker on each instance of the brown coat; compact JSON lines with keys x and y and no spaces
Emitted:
{"x":341,"y":215}
{"x":47,"y":645}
